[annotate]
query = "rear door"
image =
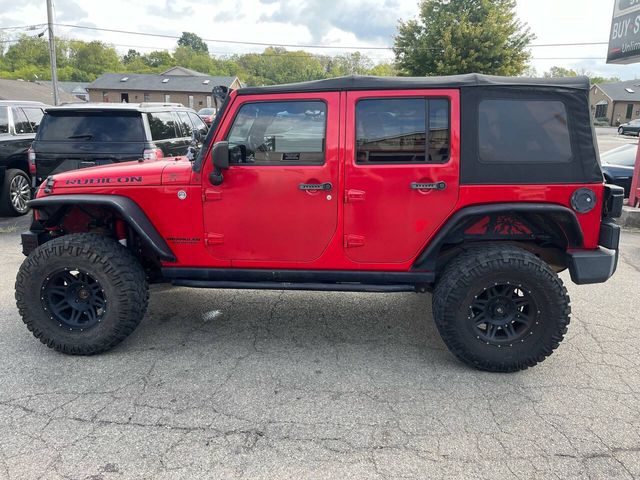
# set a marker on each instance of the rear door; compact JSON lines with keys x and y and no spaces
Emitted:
{"x":401,"y":171}
{"x":280,"y":203}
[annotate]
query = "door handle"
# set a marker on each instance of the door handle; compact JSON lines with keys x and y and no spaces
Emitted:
{"x":428,"y":186}
{"x":315,"y":186}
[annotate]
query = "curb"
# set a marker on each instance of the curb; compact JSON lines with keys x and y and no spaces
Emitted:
{"x":630,"y":217}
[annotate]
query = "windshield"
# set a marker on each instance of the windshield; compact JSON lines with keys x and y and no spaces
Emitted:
{"x":74,"y":126}
{"x":624,"y":156}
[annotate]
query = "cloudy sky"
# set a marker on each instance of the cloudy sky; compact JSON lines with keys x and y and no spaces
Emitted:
{"x":346,"y":23}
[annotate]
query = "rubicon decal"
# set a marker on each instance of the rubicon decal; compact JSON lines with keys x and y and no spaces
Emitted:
{"x":103,"y":180}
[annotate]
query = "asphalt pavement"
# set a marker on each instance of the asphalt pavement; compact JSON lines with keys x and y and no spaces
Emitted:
{"x":295,"y":385}
{"x":608,"y":139}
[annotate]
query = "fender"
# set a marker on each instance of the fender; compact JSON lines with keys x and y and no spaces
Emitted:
{"x":127,"y":208}
{"x":564,"y":217}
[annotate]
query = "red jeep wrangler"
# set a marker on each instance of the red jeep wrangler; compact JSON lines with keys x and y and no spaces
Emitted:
{"x":478,"y":189}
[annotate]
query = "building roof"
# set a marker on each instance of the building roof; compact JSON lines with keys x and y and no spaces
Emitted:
{"x":356,"y":82}
{"x":74,"y":88}
{"x":164,"y":83}
{"x":19,"y":90}
{"x":183,"y":71}
{"x":628,"y":90}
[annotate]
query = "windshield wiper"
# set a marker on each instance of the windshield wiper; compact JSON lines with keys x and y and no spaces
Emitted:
{"x":87,"y":136}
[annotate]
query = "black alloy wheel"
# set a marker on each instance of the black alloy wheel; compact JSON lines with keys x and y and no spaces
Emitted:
{"x":74,"y":299}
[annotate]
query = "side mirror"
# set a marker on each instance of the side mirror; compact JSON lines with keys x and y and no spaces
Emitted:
{"x":220,"y":158}
{"x":220,"y":155}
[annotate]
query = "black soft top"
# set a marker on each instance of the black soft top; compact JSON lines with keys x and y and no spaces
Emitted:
{"x":356,"y":82}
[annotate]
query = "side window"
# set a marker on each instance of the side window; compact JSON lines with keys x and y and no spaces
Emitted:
{"x":281,"y":133}
{"x":4,"y":120}
{"x":523,"y":131}
{"x":34,"y":116}
{"x":198,"y":123}
{"x":20,"y":122}
{"x":185,"y":123}
{"x":162,"y":125}
{"x":402,"y":130}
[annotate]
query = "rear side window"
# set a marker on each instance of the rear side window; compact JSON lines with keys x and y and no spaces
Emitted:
{"x":402,"y":130}
{"x":198,"y":123}
{"x":523,"y":131}
{"x":20,"y":122}
{"x":4,"y":120}
{"x":91,"y":126}
{"x":34,"y":116}
{"x":162,"y":125}
{"x":278,"y":133}
{"x":185,"y":123}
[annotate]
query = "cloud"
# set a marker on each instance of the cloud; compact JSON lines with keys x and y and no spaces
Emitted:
{"x":368,"y":20}
{"x":68,"y":11}
{"x":171,"y":9}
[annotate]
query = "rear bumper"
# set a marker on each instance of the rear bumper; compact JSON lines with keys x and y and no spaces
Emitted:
{"x":596,"y":266}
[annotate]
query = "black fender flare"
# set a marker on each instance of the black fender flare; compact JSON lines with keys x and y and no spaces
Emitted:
{"x":562,"y":216}
{"x":127,"y":208}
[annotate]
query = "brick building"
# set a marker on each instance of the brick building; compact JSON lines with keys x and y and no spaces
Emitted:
{"x":617,"y":102}
{"x":177,"y":85}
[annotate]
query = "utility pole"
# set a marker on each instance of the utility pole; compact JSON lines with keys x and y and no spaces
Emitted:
{"x":52,"y":54}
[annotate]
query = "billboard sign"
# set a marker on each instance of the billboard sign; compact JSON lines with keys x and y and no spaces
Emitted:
{"x":624,"y":40}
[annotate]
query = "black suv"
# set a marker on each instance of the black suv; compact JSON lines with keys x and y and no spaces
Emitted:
{"x":19,"y":123}
{"x":83,"y":135}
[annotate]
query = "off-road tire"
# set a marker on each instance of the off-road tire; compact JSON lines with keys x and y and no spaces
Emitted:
{"x":7,"y":208}
{"x":480,"y":268}
{"x":118,"y":273}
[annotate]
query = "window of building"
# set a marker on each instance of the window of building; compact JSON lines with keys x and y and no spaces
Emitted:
{"x":629,"y":111}
{"x":191,"y":103}
{"x":523,"y":131}
{"x":20,"y":122}
{"x":4,"y":120}
{"x":208,"y":101}
{"x":34,"y":116}
{"x":601,"y":111}
{"x":105,"y":96}
{"x":162,"y":125}
{"x":277,"y":133}
{"x":394,"y":130}
{"x":147,"y":97}
{"x":167,"y":98}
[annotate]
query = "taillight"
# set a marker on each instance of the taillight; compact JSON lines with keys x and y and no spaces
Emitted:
{"x":152,"y":154}
{"x":31,"y":158}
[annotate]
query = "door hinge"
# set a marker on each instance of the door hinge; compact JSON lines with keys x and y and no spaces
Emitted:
{"x":353,"y":195}
{"x":214,"y":239}
{"x":351,"y":241}
{"x":211,"y":195}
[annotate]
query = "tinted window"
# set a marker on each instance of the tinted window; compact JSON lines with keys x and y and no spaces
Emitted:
{"x":185,"y":123}
{"x":92,"y":126}
{"x":394,"y":130}
{"x":34,"y":116}
{"x":20,"y":122}
{"x":4,"y":120}
{"x":276,"y":133}
{"x":198,"y":123}
{"x":162,"y":125}
{"x":523,"y":131}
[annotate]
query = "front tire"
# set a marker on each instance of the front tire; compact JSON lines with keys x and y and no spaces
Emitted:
{"x":500,"y":309}
{"x":81,"y":294}
{"x":620,"y":131}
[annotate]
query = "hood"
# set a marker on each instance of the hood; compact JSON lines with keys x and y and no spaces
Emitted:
{"x":125,"y":174}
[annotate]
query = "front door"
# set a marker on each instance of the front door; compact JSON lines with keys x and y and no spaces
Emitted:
{"x":278,"y":202}
{"x":401,"y":171}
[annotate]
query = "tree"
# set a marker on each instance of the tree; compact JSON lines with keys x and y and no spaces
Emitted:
{"x":557,"y":72}
{"x":131,"y":56}
{"x":193,"y":41}
{"x":463,"y":36}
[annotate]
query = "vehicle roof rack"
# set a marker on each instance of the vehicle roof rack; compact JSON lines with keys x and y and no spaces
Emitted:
{"x":160,"y":104}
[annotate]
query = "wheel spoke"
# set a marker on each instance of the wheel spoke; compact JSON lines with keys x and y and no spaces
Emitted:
{"x":62,"y":291}
{"x":75,"y":316}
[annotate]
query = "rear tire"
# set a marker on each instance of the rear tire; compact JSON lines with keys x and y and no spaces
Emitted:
{"x":81,"y":294}
{"x":620,"y":131}
{"x":16,"y":192}
{"x":500,"y":308}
